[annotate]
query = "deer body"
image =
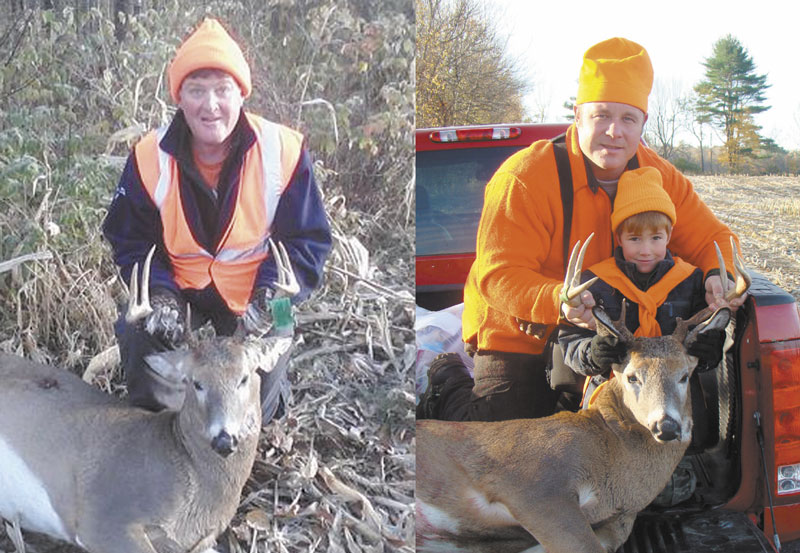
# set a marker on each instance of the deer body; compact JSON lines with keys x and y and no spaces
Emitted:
{"x":87,"y":468}
{"x":573,"y":481}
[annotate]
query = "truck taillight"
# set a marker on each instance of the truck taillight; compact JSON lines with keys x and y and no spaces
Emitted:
{"x":785,"y":366}
{"x":476,"y":134}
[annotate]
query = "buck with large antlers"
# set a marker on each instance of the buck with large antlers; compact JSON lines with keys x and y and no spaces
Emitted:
{"x":87,"y":468}
{"x":571,"y":482}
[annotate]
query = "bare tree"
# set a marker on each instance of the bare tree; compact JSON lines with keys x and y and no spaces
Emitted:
{"x":463,"y":73}
{"x":667,"y":110}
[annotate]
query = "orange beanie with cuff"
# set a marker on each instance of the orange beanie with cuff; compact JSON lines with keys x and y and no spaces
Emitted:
{"x":209,"y":47}
{"x":638,"y":191}
{"x":616,"y":70}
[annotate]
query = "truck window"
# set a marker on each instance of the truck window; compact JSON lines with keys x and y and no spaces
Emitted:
{"x":450,"y":186}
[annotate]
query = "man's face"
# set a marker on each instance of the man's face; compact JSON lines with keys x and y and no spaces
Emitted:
{"x":211,"y":101}
{"x":608,"y":134}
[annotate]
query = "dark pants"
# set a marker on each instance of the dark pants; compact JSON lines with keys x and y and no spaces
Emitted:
{"x":151,"y":391}
{"x":506,"y":386}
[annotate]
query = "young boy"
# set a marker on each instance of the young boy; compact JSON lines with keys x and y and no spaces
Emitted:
{"x":658,"y":287}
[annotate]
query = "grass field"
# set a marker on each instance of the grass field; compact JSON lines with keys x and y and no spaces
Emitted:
{"x":764,"y":212}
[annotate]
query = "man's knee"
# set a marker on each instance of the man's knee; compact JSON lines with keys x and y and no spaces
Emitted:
{"x":275,"y":389}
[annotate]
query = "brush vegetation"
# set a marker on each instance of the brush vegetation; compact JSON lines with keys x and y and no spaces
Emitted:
{"x":80,"y":83}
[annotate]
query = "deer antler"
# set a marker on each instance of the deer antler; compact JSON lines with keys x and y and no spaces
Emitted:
{"x":139,"y":303}
{"x":743,"y":282}
{"x":742,"y":277}
{"x":287,"y":284}
{"x":572,"y":289}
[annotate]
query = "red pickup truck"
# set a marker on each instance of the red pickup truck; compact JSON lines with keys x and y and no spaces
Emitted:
{"x":748,"y":463}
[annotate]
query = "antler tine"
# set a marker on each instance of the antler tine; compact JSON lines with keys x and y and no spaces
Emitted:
{"x":139,"y":302}
{"x":287,"y":284}
{"x":572,"y":284}
{"x":723,"y":273}
{"x":743,"y":279}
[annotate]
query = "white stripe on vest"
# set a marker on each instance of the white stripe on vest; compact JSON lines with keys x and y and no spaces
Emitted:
{"x":269,"y":142}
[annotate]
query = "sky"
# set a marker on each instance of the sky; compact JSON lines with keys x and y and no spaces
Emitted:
{"x":548,"y":39}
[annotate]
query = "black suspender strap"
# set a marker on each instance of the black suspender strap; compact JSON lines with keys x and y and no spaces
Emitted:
{"x":565,"y":184}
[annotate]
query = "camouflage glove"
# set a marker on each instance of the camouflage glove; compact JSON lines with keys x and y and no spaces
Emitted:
{"x":605,"y":351}
{"x":269,"y":313}
{"x":257,"y":317}
{"x":708,"y":349}
{"x":167,"y":321}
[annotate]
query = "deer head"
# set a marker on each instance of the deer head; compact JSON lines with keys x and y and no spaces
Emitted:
{"x":655,"y":375}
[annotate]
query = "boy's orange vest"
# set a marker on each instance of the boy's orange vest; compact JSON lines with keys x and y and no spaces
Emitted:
{"x":648,"y":300}
{"x":266,"y":171}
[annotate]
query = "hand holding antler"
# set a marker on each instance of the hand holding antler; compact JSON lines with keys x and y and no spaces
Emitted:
{"x":162,"y":314}
{"x":258,"y":317}
{"x":576,"y":300}
{"x":719,"y":292}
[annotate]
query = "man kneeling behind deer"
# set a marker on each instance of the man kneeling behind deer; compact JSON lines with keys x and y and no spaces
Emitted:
{"x":87,"y":468}
{"x":552,"y":476}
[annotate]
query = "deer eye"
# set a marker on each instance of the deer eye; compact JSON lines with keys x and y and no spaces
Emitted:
{"x":632,"y":379}
{"x":245,"y":379}
{"x":684,"y":379}
{"x":197,"y":385}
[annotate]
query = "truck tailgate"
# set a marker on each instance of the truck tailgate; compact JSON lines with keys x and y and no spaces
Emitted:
{"x":716,"y":531}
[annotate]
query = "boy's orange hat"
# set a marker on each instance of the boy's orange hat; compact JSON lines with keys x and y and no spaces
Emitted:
{"x":616,"y":70}
{"x":640,"y":190}
{"x":209,"y":47}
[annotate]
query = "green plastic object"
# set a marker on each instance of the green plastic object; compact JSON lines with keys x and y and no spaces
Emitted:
{"x":282,"y":317}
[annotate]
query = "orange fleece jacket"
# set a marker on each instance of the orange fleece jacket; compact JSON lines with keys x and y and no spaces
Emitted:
{"x":519,"y":265}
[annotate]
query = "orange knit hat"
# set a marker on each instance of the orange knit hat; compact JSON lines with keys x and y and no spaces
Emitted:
{"x":616,"y":70}
{"x":209,"y":47}
{"x":640,"y":190}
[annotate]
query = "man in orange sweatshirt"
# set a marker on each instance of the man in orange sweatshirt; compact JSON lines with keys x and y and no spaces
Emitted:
{"x":541,"y":201}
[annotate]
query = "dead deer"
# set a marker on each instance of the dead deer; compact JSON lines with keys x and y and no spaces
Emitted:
{"x":573,"y":482}
{"x":87,"y":468}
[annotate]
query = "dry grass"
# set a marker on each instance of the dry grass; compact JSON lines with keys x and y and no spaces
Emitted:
{"x":765,"y":213}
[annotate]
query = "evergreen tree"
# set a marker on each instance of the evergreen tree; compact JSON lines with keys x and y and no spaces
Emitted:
{"x":730,"y":95}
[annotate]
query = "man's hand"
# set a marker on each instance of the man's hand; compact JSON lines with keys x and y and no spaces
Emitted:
{"x":167,"y":321}
{"x":257,"y":317}
{"x":582,"y":314}
{"x":715,"y":296}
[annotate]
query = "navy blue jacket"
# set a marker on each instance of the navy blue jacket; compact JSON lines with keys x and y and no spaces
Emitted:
{"x":683,"y":301}
{"x":133,"y":223}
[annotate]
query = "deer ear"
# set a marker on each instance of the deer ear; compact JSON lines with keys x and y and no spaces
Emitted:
{"x":263,"y":353}
{"x":608,"y":327}
{"x":169,"y":365}
{"x":718,"y":321}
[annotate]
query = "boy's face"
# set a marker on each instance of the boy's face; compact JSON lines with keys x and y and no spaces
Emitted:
{"x":645,"y":248}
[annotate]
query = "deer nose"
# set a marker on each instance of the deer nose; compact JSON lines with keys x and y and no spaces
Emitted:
{"x":666,"y":429}
{"x":224,"y":444}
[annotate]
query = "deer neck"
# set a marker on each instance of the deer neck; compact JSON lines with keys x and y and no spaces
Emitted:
{"x":218,"y":480}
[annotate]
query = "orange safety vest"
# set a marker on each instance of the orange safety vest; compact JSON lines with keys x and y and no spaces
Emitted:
{"x":266,"y":171}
